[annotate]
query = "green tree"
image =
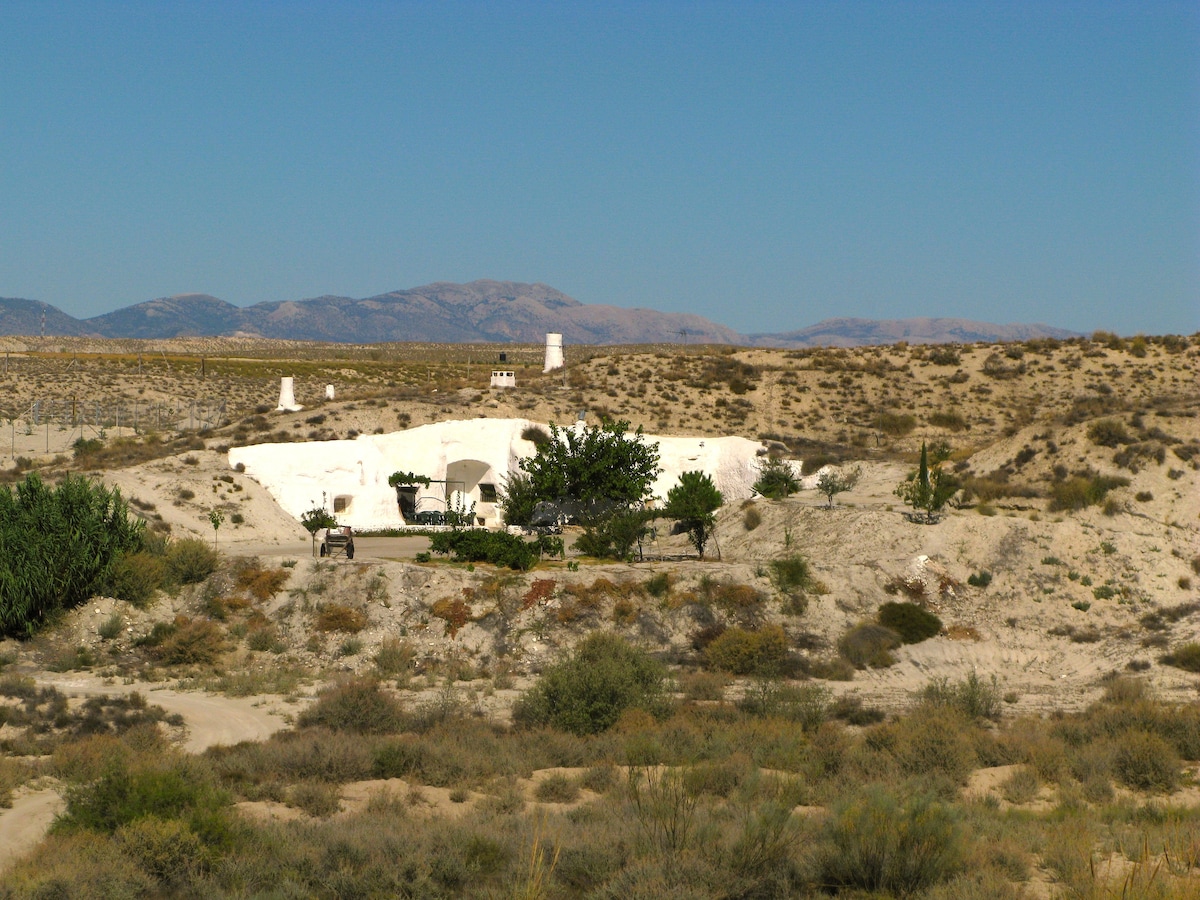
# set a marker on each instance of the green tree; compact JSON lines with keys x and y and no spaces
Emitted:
{"x":835,"y":481}
{"x":776,"y":479}
{"x":215,"y":518}
{"x":694,"y":503}
{"x":314,"y":520}
{"x":929,"y":488}
{"x":516,"y":498}
{"x":606,"y":464}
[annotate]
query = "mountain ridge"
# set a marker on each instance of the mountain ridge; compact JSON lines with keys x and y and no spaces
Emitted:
{"x":483,"y":311}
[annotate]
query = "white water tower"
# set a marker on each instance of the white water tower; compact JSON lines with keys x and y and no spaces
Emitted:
{"x":287,"y":395}
{"x":554,"y":352}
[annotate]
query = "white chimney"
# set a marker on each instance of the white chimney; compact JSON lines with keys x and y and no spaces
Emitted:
{"x":287,"y":395}
{"x":554,"y":353}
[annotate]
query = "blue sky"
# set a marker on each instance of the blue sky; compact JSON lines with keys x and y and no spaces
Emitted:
{"x":766,"y":165}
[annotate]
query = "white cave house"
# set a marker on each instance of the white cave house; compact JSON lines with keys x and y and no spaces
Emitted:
{"x":467,"y":462}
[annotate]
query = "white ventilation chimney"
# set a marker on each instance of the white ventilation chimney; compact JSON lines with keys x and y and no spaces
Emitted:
{"x":554,"y":354}
{"x":287,"y":395}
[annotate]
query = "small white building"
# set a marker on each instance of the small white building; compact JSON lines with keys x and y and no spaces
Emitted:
{"x":504,"y":379}
{"x":467,"y":462}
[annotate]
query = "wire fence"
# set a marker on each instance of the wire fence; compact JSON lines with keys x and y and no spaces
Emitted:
{"x":139,"y":416}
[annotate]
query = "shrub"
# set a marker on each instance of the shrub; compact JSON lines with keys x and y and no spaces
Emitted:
{"x":190,"y":560}
{"x":951,"y":420}
{"x":1185,"y":656}
{"x":980,"y":580}
{"x":62,"y":544}
{"x":516,"y":497}
{"x":792,"y":577}
{"x":751,"y":518}
{"x":743,"y":652}
{"x":557,"y":789}
{"x":190,"y":642}
{"x":357,"y":705}
{"x":972,"y":697}
{"x":136,"y":577}
{"x":168,"y":850}
{"x":1144,"y":761}
{"x":589,"y":690}
{"x":869,"y":645}
{"x":1080,"y":491}
{"x":613,"y":536}
{"x":495,"y":547}
{"x":339,"y":617}
{"x":912,"y":622}
{"x":122,"y":796}
{"x":395,"y":657}
{"x":878,"y":842}
{"x":776,"y":479}
{"x":262,"y":584}
{"x":1108,"y":433}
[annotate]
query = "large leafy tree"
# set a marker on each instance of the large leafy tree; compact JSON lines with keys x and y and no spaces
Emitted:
{"x":606,"y":464}
{"x":58,"y":547}
{"x":929,"y":488}
{"x":694,"y":501}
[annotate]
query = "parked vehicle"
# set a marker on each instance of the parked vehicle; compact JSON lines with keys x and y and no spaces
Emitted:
{"x":339,"y":541}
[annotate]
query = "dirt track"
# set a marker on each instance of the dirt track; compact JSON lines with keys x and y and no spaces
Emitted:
{"x":211,"y":719}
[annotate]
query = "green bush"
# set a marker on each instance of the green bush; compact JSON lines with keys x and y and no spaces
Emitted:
{"x":589,"y":690}
{"x":776,"y":480}
{"x":167,"y":850}
{"x":743,"y":652}
{"x":123,"y":796}
{"x":358,"y":705}
{"x":869,"y":645}
{"x":912,"y":622}
{"x":191,"y":560}
{"x":60,"y":546}
{"x":496,"y":547}
{"x":878,"y":842}
{"x":980,"y":580}
{"x":1145,"y":761}
{"x":615,"y":535}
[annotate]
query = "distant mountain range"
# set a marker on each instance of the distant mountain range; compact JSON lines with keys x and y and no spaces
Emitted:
{"x":482,"y":311}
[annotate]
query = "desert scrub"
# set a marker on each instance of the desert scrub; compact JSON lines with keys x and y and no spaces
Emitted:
{"x":185,"y":641}
{"x":557,"y":788}
{"x":358,"y":705}
{"x":793,"y":580}
{"x":876,"y":841}
{"x":743,"y":652}
{"x":339,"y":617}
{"x":1145,"y":761}
{"x":589,"y":690}
{"x":261,"y":584}
{"x":913,"y":623}
{"x":973,"y":697}
{"x":868,"y":645}
{"x":136,"y":577}
{"x":1185,"y":656}
{"x":190,"y":560}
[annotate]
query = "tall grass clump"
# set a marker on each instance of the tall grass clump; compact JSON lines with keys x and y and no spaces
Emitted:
{"x":879,"y":842}
{"x":589,"y":690}
{"x":60,"y":547}
{"x":973,"y":697}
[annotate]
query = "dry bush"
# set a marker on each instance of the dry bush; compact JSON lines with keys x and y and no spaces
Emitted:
{"x":186,"y":642}
{"x":358,"y":705}
{"x":743,"y":652}
{"x":557,"y":788}
{"x":868,"y":645}
{"x":339,"y":617}
{"x":262,"y":584}
{"x":1145,"y":761}
{"x":190,"y":560}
